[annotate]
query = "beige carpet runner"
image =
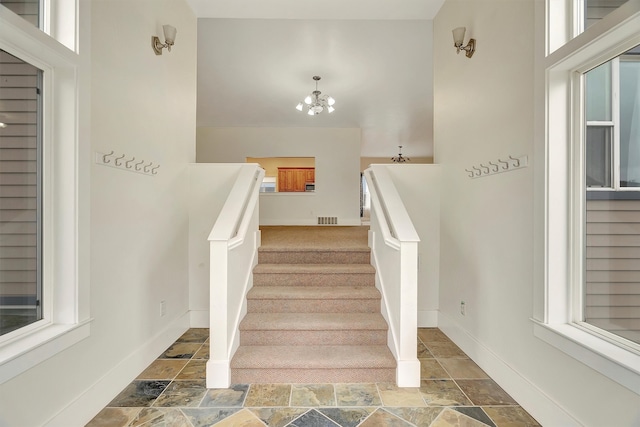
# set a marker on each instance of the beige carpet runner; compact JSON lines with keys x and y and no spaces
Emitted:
{"x":313,"y":314}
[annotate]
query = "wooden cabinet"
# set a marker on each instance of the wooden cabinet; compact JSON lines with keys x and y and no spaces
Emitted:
{"x":294,"y":179}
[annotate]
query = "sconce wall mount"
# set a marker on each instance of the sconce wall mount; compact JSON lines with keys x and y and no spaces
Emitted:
{"x":169,"y":40}
{"x":458,"y":41}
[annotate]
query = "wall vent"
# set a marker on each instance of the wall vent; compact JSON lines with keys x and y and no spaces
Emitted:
{"x":327,"y":220}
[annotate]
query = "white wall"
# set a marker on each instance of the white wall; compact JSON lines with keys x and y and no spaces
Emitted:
{"x":337,"y":154}
{"x":419,"y":188}
{"x":142,"y":105}
{"x":484,"y":110}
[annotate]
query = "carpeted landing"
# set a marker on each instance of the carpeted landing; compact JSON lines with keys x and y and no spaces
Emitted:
{"x":313,"y":314}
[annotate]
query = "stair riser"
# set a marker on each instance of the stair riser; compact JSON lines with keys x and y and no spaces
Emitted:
{"x":311,"y":376}
{"x":303,"y":279}
{"x":281,"y":337}
{"x":290,"y":257}
{"x":314,"y":306}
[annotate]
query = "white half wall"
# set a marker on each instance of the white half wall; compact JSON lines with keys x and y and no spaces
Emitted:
{"x":337,"y":160}
{"x":138,"y":223}
{"x":419,"y":188}
{"x":485,"y":109}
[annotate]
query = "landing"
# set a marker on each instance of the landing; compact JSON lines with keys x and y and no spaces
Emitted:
{"x":314,"y":237}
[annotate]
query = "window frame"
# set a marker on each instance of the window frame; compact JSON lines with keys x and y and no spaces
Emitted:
{"x":64,"y":202}
{"x":555,"y":315}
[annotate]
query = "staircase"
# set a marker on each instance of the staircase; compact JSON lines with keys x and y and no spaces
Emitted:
{"x":313,"y":314}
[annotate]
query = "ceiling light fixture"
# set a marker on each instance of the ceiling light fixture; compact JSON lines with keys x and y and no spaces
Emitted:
{"x":169,"y":39}
{"x":400,"y":158}
{"x":458,"y":40}
{"x":316,"y":103}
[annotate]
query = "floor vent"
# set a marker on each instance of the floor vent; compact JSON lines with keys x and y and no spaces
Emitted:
{"x":327,"y":220}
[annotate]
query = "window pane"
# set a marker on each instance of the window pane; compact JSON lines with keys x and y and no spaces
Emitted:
{"x":20,"y":189}
{"x":595,"y":10}
{"x":28,"y":9}
{"x":599,"y":93}
{"x":598,"y":156}
{"x":630,"y":121}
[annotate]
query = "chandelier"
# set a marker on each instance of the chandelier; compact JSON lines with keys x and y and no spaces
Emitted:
{"x":400,"y":158}
{"x":316,"y":103}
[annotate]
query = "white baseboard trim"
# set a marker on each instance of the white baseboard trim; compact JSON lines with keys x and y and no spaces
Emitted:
{"x":542,"y":407}
{"x":427,"y":318}
{"x":218,"y":373}
{"x":98,"y":395}
{"x":199,"y":318}
{"x":408,"y":373}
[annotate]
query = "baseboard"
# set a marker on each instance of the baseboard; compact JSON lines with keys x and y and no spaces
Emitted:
{"x":543,"y":408}
{"x":199,"y":318}
{"x":427,"y":318}
{"x":98,"y":395}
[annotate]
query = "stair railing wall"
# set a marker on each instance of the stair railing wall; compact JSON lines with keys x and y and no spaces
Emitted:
{"x":394,"y":253}
{"x":233,"y":242}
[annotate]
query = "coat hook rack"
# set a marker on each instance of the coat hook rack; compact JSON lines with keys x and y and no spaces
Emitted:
{"x":497,"y":166}
{"x":123,"y":162}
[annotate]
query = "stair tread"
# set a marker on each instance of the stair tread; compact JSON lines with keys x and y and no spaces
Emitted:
{"x":313,"y":292}
{"x":313,"y":321}
{"x":314,"y":357}
{"x":314,"y":268}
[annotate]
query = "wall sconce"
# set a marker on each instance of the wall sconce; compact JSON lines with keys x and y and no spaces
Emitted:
{"x":458,"y":40}
{"x":169,"y":39}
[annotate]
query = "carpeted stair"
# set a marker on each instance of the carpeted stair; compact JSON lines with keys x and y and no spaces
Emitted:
{"x":313,"y":314}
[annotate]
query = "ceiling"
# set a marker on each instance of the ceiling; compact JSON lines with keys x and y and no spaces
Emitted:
{"x":256,"y":62}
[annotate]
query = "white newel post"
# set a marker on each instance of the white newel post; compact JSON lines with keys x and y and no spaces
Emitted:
{"x":218,"y":366}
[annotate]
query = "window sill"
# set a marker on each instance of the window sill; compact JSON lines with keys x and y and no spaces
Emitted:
{"x":26,"y":352}
{"x":617,"y":363}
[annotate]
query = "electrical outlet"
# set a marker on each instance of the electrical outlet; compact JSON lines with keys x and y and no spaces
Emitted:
{"x":463,"y":310}
{"x":163,"y":308}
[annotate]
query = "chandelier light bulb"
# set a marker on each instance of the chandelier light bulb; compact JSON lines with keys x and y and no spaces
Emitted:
{"x":299,"y":106}
{"x":330,"y":101}
{"x":310,"y":112}
{"x":307,"y":100}
{"x":331,"y":109}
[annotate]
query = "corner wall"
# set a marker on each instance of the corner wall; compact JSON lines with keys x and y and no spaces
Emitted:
{"x":337,"y":154}
{"x":484,"y":110}
{"x":142,"y":105}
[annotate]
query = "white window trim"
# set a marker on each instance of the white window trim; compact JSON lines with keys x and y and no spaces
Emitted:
{"x":564,"y":200}
{"x":65,"y":193}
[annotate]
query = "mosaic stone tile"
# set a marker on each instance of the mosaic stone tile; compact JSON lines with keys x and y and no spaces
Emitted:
{"x":357,"y":395}
{"x":347,"y":417}
{"x":451,"y":418}
{"x":160,"y":417}
{"x":162,"y":369}
{"x":443,"y":393}
{"x":278,"y":417}
{"x":180,"y":350}
{"x":417,"y":416}
{"x":225,"y":397}
{"x":182,"y":393}
{"x":476,"y":413}
{"x":383,"y":418}
{"x":392,"y":395}
{"x":114,"y":417}
{"x":423,"y":352}
{"x":194,"y":370}
{"x":198,"y":335}
{"x":243,"y":418}
{"x":485,"y":392}
{"x":309,"y":395}
{"x":432,"y":335}
{"x":205,"y":417}
{"x":313,"y":418}
{"x":511,"y":416}
{"x":430,"y":369}
{"x":444,"y":349}
{"x":267,"y":395}
{"x":139,"y":393}
{"x":203,"y":352}
{"x":462,"y":369}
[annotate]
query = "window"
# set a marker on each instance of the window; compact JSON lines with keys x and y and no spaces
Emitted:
{"x":20,"y":194}
{"x":586,"y":159}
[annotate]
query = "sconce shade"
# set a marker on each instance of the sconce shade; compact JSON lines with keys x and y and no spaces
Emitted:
{"x":169,"y":34}
{"x":458,"y":36}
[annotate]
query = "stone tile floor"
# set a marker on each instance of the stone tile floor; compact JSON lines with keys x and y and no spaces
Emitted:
{"x":454,"y":391}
